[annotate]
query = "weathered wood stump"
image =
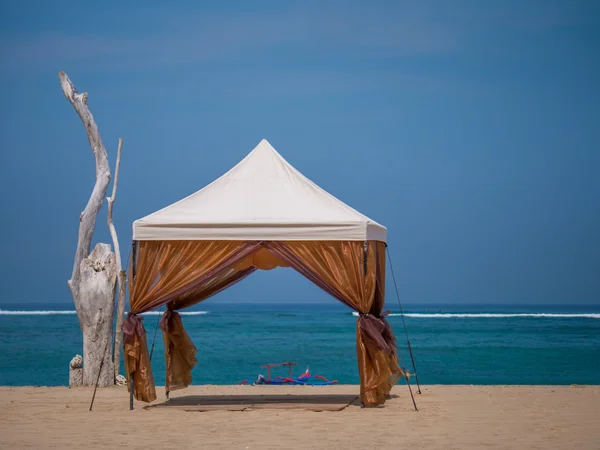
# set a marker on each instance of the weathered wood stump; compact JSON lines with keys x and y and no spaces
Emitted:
{"x":76,"y":371}
{"x":96,"y":292}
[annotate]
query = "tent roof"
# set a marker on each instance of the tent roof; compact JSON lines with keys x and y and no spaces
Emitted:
{"x":262,"y":198}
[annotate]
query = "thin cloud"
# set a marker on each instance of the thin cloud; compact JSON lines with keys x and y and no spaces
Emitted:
{"x":226,"y":38}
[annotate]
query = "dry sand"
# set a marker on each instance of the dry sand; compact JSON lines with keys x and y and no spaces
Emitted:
{"x":450,"y":417}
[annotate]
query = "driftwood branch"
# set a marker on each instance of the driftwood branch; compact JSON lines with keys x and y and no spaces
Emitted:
{"x":121,"y":273}
{"x":94,"y":274}
{"x":111,"y":202}
{"x":87,"y":219}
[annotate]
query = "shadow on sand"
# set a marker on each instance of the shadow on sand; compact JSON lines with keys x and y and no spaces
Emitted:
{"x":262,"y":401}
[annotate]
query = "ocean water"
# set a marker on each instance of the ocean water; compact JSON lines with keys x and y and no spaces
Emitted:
{"x":451,"y":344}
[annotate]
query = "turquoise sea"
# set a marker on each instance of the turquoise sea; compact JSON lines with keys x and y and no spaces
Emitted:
{"x":464,"y":344}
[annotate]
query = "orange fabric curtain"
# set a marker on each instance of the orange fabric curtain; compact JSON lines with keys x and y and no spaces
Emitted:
{"x":180,"y":352}
{"x":177,"y":342}
{"x":183,"y":273}
{"x":377,"y":356}
{"x":338,"y":267}
{"x":354,"y":273}
{"x":178,"y":346}
{"x":137,"y":360}
{"x":164,"y":271}
{"x":262,"y":259}
{"x":209,"y":288}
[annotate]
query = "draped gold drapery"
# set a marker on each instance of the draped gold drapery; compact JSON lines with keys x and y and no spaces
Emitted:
{"x":169,"y":270}
{"x":376,"y":344}
{"x":354,"y":273}
{"x":180,"y":352}
{"x":178,"y":273}
{"x":137,"y":360}
{"x":183,"y":273}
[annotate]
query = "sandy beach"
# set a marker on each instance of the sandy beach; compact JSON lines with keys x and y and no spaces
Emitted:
{"x":247,"y":417}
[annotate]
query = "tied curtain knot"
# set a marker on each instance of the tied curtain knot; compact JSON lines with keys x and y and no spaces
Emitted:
{"x":378,"y":332}
{"x":137,"y":360}
{"x":180,"y":352}
{"x":132,"y":326}
{"x":166,"y":319}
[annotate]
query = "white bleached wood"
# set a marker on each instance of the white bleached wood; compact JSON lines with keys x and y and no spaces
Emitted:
{"x":98,"y":275}
{"x":93,"y":279}
{"x":121,"y":273}
{"x":75,"y":377}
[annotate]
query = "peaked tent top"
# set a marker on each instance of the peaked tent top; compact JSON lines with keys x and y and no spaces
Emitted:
{"x":262,"y":198}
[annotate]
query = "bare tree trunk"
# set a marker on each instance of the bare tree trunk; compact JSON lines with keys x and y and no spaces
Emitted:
{"x":121,"y":273}
{"x":92,"y":282}
{"x":96,"y":301}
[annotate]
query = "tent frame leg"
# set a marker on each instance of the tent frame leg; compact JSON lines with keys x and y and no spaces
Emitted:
{"x":131,"y":392}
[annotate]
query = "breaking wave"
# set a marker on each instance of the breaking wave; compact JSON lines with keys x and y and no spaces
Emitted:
{"x":183,"y":313}
{"x":495,"y":315}
{"x":414,"y":315}
{"x":50,"y":313}
{"x":34,"y":313}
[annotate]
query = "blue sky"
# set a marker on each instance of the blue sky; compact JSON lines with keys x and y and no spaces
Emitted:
{"x":470,"y":129}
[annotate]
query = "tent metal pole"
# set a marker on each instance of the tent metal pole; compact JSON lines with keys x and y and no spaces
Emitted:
{"x":131,"y":392}
{"x":154,"y":338}
{"x":134,"y":251}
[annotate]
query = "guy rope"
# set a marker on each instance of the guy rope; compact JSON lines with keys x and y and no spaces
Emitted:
{"x":404,"y":324}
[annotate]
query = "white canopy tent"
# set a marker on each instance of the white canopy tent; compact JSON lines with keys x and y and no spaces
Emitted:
{"x":262,"y":198}
{"x":261,"y":214}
